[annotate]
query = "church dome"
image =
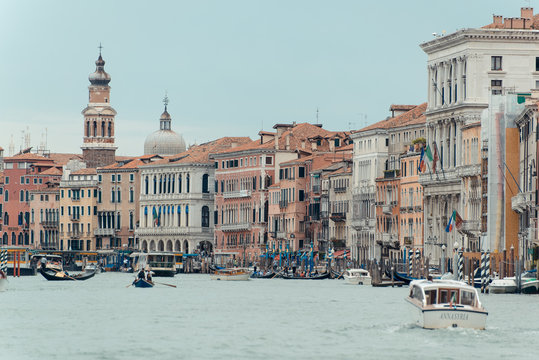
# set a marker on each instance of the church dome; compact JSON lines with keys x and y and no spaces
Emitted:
{"x":99,"y":77}
{"x":164,"y":141}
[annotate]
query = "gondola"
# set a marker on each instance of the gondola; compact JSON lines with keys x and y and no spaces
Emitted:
{"x":265,"y":276}
{"x":141,"y":283}
{"x":317,"y":277}
{"x":215,"y":267}
{"x":61,"y":276}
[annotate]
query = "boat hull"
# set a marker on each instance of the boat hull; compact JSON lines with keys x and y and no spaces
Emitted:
{"x":51,"y":276}
{"x":228,"y":277}
{"x":357,"y":280}
{"x":440,"y":318}
{"x":502,"y":286}
{"x":141,"y":283}
{"x":530,"y":287}
{"x":317,"y":277}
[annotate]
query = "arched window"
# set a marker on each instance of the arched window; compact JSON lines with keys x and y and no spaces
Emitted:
{"x":6,"y":218}
{"x":20,"y":238}
{"x":110,"y":129}
{"x":187,"y":181}
{"x":13,"y":238}
{"x":205,"y":178}
{"x":154,"y":185}
{"x":87,"y":128}
{"x":131,"y":195}
{"x":102,"y":128}
{"x":95,"y":128}
{"x":180,"y":184}
{"x":21,"y":197}
{"x":27,"y":196}
{"x":6,"y":195}
{"x":205,"y":216}
{"x":5,"y":239}
{"x":146,"y":185}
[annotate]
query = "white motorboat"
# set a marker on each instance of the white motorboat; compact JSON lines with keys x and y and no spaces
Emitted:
{"x":529,"y":283}
{"x":446,"y":303}
{"x":507,"y":285}
{"x":357,"y":277}
{"x":232,"y":274}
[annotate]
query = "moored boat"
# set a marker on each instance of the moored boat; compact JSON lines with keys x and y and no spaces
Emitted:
{"x":446,"y":303}
{"x":506,"y":285}
{"x":314,"y":277}
{"x":261,"y":275}
{"x":63,"y":276}
{"x":357,"y":277}
{"x":231,"y":274}
{"x":529,"y":283}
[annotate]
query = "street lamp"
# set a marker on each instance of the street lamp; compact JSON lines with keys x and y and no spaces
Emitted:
{"x":443,"y":259}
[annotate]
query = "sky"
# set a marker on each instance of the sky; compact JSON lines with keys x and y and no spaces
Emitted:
{"x":230,"y":68}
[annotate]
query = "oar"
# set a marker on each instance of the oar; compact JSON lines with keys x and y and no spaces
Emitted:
{"x":164,"y":284}
{"x":277,"y":274}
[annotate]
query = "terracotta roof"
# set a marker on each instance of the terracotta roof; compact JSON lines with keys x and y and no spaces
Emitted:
{"x":500,"y":22}
{"x":122,"y":158}
{"x":63,"y":158}
{"x":51,"y":171}
{"x":27,"y":156}
{"x":394,"y":107}
{"x":200,"y":153}
{"x":132,"y":162}
{"x":294,"y":136}
{"x":411,"y":117}
{"x":88,"y":171}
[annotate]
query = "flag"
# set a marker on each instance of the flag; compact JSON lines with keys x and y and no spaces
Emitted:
{"x":155,"y":217}
{"x":453,"y":300}
{"x":421,"y":166}
{"x":458,"y":220}
{"x":435,"y":158}
{"x":449,"y":226}
{"x":428,"y":153}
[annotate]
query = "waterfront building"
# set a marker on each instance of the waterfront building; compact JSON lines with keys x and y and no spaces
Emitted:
{"x":525,"y":202}
{"x":78,"y":207}
{"x":45,"y":214}
{"x":371,"y":159}
{"x":23,"y":173}
{"x":98,"y":148}
{"x":164,"y":141}
{"x":244,"y":175}
{"x":466,"y":70}
{"x":118,"y":203}
{"x":339,"y":187}
{"x":176,"y":207}
{"x":1,"y":159}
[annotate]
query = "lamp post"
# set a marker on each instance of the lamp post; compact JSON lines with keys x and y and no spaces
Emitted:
{"x":443,"y":259}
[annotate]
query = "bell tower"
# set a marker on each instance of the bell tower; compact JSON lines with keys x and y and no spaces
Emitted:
{"x":98,"y":148}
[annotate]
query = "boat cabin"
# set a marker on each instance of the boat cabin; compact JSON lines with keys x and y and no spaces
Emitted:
{"x":452,"y":293}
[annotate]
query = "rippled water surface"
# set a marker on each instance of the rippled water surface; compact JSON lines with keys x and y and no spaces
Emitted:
{"x":102,"y":318}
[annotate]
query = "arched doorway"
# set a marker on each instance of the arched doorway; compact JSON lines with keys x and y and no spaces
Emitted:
{"x":144,"y":246}
{"x":206,"y":247}
{"x":185,"y":247}
{"x":161,"y":246}
{"x":177,"y":246}
{"x":152,"y":245}
{"x":169,"y":245}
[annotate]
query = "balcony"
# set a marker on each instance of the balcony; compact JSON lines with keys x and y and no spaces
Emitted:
{"x":469,"y":170}
{"x":104,"y":232}
{"x":236,"y":227}
{"x":316,"y":189}
{"x":387,"y":209}
{"x":236,"y":194}
{"x":281,"y":234}
{"x":338,"y":217}
{"x":391,"y":174}
{"x":47,"y":224}
{"x":471,"y":227}
{"x":522,"y":201}
{"x":74,"y":217}
{"x":283,"y":203}
{"x":341,"y":189}
{"x":74,"y":234}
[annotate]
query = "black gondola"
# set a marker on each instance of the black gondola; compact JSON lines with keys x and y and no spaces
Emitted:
{"x":265,"y":276}
{"x":316,"y":277}
{"x":60,"y":276}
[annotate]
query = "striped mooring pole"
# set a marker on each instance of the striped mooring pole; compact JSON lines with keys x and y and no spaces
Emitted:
{"x":483,"y":271}
{"x":3,"y":261}
{"x":417,"y":254}
{"x":487,"y":270}
{"x":410,"y":263}
{"x":460,"y":266}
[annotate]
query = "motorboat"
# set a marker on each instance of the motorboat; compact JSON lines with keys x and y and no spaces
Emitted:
{"x":357,"y":277}
{"x":160,"y":263}
{"x":529,"y":284}
{"x":231,"y":274}
{"x":507,"y":285}
{"x":446,"y":303}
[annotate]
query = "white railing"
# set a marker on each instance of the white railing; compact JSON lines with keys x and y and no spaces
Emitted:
{"x":236,"y":194}
{"x":237,"y":226}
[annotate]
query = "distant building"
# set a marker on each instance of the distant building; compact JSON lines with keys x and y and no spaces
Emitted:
{"x":98,"y":148}
{"x":45,"y":216}
{"x":164,"y":141}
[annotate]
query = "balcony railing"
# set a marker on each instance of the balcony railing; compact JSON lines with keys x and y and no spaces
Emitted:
{"x":236,"y":227}
{"x":338,"y":217}
{"x":236,"y":194}
{"x":471,"y":226}
{"x":387,"y":209}
{"x":316,"y":189}
{"x":74,"y":234}
{"x":49,"y":223}
{"x":340,"y":189}
{"x":283,"y":203}
{"x":521,"y":201}
{"x":104,"y":232}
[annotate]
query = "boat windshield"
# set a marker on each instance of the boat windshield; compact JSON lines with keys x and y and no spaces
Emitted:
{"x":467,"y":298}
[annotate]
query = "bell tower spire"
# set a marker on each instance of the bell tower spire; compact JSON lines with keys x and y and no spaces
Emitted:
{"x":98,"y":148}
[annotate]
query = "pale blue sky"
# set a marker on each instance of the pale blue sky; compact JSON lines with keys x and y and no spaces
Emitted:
{"x":230,"y":67}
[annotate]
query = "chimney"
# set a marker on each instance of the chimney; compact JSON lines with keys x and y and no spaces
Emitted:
{"x":526,"y":12}
{"x":497,"y":19}
{"x":518,"y":23}
{"x":508,"y":23}
{"x":276,"y":142}
{"x":287,"y":141}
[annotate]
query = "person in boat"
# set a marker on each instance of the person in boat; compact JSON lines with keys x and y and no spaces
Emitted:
{"x":3,"y":275}
{"x":43,"y":262}
{"x":149,"y":276}
{"x":141,"y":274}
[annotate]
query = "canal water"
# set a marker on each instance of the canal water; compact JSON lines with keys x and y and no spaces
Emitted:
{"x":102,"y":318}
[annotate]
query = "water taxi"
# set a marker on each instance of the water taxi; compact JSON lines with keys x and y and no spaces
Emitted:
{"x":446,"y":303}
{"x":357,"y":277}
{"x":235,"y":274}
